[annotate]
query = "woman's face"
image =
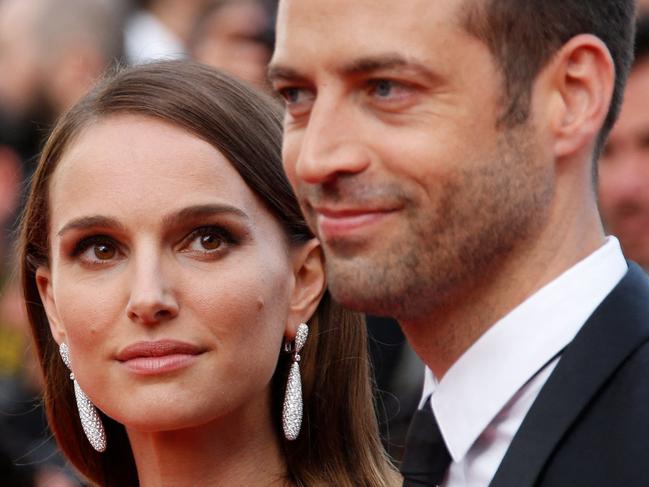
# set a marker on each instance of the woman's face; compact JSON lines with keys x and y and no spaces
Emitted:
{"x":169,"y":280}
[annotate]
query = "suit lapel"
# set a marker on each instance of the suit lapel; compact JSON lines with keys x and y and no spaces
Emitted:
{"x":613,"y":332}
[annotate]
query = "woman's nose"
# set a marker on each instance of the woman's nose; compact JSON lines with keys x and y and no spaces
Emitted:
{"x":152,"y":298}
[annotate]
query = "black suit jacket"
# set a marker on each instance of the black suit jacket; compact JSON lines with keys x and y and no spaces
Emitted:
{"x":589,"y":426}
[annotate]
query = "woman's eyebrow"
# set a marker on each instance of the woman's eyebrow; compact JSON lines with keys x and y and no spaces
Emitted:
{"x":202,"y":211}
{"x":93,"y":221}
{"x":189,"y":213}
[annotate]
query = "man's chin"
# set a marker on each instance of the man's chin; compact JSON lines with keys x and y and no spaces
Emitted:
{"x":354,"y":300}
{"x":345,"y":248}
{"x":362,"y":288}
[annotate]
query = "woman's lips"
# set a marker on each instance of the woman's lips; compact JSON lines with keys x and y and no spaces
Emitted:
{"x":157,"y":357}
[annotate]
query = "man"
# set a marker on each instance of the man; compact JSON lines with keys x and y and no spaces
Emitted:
{"x":624,"y":166}
{"x":443,"y":153}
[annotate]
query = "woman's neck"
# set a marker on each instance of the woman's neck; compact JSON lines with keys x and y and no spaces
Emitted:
{"x":227,"y":452}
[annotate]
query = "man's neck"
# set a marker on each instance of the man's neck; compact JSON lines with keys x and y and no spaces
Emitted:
{"x":441,"y":337}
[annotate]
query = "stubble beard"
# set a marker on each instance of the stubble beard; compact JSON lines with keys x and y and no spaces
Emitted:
{"x":482,"y":215}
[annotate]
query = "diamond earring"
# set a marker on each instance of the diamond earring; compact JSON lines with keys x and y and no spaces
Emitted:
{"x":90,"y":420}
{"x":292,"y":410}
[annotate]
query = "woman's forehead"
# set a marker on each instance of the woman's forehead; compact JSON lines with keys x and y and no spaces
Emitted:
{"x":140,"y":165}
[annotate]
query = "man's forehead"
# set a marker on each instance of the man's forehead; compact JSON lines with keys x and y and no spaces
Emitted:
{"x":372,"y":17}
{"x":339,"y":32}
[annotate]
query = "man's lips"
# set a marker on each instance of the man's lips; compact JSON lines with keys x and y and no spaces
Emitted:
{"x":334,"y":223}
{"x":155,"y":357}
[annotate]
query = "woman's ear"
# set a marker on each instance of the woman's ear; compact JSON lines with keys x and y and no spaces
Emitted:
{"x":44,"y":284}
{"x":582,"y":79}
{"x":310,"y":284}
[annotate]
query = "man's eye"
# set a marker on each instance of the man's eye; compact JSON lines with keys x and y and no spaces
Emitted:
{"x":383,"y":88}
{"x":296,"y":97}
{"x":298,"y":101}
{"x":290,"y":95}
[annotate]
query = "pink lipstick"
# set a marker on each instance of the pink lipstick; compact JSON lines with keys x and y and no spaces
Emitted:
{"x":158,"y":357}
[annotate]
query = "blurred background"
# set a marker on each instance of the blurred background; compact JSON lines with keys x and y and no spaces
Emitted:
{"x":52,"y":52}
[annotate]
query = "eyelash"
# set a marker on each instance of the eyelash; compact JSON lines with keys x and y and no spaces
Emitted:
{"x":399,"y":92}
{"x":88,"y":242}
{"x":225,"y":237}
{"x":284,"y":93}
{"x":222,"y":233}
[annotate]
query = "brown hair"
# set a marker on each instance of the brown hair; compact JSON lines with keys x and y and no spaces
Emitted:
{"x":339,"y":442}
{"x":524,"y":35}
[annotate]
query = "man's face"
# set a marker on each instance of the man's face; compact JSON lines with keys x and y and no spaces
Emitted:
{"x":392,"y":144}
{"x":624,"y":171}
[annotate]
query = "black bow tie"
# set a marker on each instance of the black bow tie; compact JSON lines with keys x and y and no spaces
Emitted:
{"x":426,"y":458}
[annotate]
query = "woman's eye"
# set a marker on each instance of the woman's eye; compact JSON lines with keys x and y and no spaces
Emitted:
{"x":96,"y":250}
{"x":208,"y":240}
{"x":104,"y":251}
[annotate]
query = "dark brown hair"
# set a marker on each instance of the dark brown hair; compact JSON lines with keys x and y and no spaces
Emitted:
{"x":524,"y":35}
{"x":339,"y":442}
{"x":642,"y":40}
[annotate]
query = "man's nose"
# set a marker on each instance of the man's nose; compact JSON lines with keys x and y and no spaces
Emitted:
{"x":152,"y":298}
{"x":331,"y":144}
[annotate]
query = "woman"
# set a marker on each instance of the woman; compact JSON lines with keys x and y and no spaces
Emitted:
{"x":165,"y":267}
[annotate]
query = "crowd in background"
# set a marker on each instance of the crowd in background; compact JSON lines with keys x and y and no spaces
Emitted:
{"x":51,"y":53}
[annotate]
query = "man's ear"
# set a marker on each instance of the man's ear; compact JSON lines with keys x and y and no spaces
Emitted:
{"x":44,"y":284}
{"x":582,"y":79}
{"x":310,"y":284}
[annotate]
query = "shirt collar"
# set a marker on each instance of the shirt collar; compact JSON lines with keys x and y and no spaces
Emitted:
{"x":491,"y":371}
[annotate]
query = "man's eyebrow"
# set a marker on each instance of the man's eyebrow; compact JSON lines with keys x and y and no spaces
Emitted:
{"x":277,"y":72}
{"x":94,"y":221}
{"x":361,"y":66}
{"x":202,"y":211}
{"x":386,"y":62}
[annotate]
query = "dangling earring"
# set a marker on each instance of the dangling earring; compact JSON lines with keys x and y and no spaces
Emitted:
{"x":90,"y":420}
{"x":292,"y":410}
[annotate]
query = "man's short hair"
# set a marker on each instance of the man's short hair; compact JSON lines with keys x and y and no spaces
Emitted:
{"x":524,"y":35}
{"x":642,"y":40}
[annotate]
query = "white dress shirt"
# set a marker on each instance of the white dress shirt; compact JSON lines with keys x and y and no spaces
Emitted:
{"x":481,"y":401}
